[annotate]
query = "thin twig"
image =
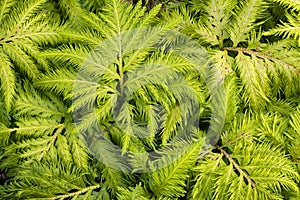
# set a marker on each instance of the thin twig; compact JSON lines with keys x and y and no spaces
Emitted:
{"x":51,"y":143}
{"x":10,"y":39}
{"x":84,"y":190}
{"x":236,"y":166}
{"x":261,"y":55}
{"x":243,"y":135}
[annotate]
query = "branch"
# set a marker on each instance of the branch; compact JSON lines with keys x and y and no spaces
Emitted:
{"x":11,"y":39}
{"x":51,"y":143}
{"x":73,"y":194}
{"x":261,"y":55}
{"x":237,"y":139}
{"x":237,"y":167}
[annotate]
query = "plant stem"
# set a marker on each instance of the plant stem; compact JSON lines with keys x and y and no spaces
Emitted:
{"x":261,"y":55}
{"x":236,"y":166}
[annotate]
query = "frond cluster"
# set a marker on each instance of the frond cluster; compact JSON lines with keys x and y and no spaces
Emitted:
{"x":114,"y":100}
{"x":291,"y":26}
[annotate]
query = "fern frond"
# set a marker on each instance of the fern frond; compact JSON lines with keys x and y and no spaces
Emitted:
{"x":5,"y":8}
{"x":93,"y":5}
{"x":73,"y":56}
{"x":25,"y":12}
{"x":282,"y":107}
{"x":73,"y":11}
{"x":273,"y":130}
{"x":137,"y":192}
{"x":8,"y":82}
{"x":24,"y":29}
{"x":48,"y":181}
{"x":60,"y":82}
{"x":31,"y":103}
{"x":21,"y":59}
{"x":77,"y":148}
{"x":63,"y":149}
{"x":232,"y":101}
{"x":83,"y":193}
{"x":87,"y":37}
{"x":246,"y":175}
{"x":170,"y":173}
{"x":294,"y":5}
{"x":244,"y":17}
{"x":295,"y":121}
{"x":114,"y":166}
{"x":215,"y":16}
{"x":294,"y":146}
{"x":291,"y":28}
{"x":255,"y":80}
{"x":29,"y":150}
{"x":35,"y":127}
{"x":264,"y":67}
{"x":118,"y":22}
{"x":4,"y":134}
{"x":44,"y":132}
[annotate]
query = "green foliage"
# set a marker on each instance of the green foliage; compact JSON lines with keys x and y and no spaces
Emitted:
{"x":108,"y":99}
{"x":290,"y":26}
{"x":25,"y":28}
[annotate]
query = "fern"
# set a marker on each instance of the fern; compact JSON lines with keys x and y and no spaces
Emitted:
{"x":239,"y":178}
{"x":288,"y":29}
{"x":23,"y":31}
{"x":170,"y":181}
{"x":294,"y":5}
{"x":178,"y":100}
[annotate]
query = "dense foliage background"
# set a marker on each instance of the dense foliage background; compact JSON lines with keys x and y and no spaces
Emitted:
{"x":61,"y":111}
